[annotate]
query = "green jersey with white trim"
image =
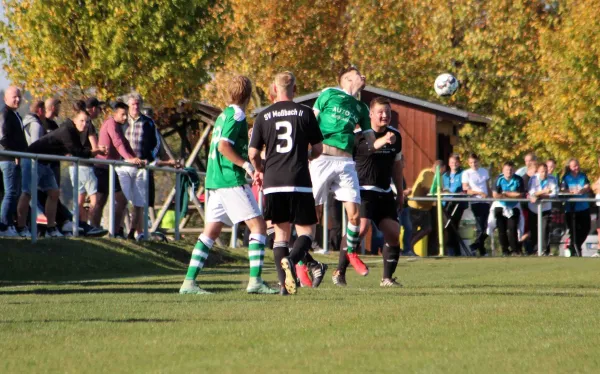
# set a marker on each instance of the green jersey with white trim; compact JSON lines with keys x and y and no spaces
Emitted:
{"x":338,"y":115}
{"x":230,"y":126}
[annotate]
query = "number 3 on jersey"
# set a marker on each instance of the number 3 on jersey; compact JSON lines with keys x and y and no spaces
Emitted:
{"x":285,"y":134}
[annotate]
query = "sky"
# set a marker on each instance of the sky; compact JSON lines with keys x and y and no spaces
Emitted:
{"x":3,"y":80}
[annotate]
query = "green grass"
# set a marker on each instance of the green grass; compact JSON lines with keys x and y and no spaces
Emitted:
{"x":119,"y":311}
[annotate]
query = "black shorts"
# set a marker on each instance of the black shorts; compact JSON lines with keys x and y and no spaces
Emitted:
{"x":377,"y":206}
{"x":102,"y":176}
{"x":293,"y":207}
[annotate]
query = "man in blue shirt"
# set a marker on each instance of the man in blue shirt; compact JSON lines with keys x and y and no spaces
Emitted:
{"x":578,"y":214}
{"x":452,"y":182}
{"x":508,"y":186}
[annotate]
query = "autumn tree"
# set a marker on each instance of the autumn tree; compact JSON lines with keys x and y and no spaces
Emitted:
{"x":164,"y":50}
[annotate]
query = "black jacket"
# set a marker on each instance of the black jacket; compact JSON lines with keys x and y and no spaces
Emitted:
{"x":62,"y":141}
{"x":12,"y":136}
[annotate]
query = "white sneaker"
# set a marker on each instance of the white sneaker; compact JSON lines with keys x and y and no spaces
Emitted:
{"x":53,"y":233}
{"x":25,"y":233}
{"x":597,"y":254}
{"x":68,"y":227}
{"x":8,"y":233}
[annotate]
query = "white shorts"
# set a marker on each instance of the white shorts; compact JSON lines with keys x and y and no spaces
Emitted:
{"x":88,"y":183}
{"x":133,"y":184}
{"x":231,"y":205}
{"x":337,"y":174}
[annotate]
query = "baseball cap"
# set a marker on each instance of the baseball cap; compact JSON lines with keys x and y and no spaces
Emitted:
{"x":93,"y":102}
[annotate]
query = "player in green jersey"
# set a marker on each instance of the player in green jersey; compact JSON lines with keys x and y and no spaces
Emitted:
{"x":229,"y":198}
{"x":339,"y":111}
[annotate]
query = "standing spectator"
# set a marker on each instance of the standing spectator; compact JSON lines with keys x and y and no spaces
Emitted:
{"x":529,"y":158}
{"x":420,"y":211}
{"x":52,"y":107}
{"x":142,"y":135}
{"x":452,"y":182}
{"x":578,"y":214}
{"x":597,"y":191}
{"x":111,"y":136}
{"x":526,"y":238}
{"x":541,"y":186}
{"x":88,"y":183}
{"x":33,"y":122}
{"x":12,"y":138}
{"x":64,"y":141}
{"x":509,"y":185}
{"x":551,"y":164}
{"x":476,"y":183}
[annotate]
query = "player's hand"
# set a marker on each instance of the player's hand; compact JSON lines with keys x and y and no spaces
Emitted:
{"x":390,"y":137}
{"x":257,"y":179}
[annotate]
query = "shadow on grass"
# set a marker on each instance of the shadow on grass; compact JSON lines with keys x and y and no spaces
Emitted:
{"x":120,"y":290}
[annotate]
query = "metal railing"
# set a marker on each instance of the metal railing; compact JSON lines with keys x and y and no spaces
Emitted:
{"x":76,"y":161}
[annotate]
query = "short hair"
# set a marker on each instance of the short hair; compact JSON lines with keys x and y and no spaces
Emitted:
{"x":51,"y":102}
{"x":474,"y":156}
{"x":35,"y":105}
{"x":239,"y":90}
{"x":551,"y":160}
{"x":543,"y":165}
{"x":135,"y":96}
{"x":439,"y":163}
{"x":285,"y":81}
{"x":532,"y":155}
{"x":79,"y":107}
{"x":345,"y":70}
{"x":509,"y":163}
{"x":454,"y":156}
{"x":379,"y":100}
{"x":121,"y":105}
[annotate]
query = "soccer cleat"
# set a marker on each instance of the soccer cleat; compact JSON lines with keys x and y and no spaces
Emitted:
{"x":52,"y":232}
{"x":339,"y":279}
{"x":302,"y":274}
{"x":260,"y":287}
{"x":190,"y":287}
{"x":357,"y":264}
{"x":317,"y":270}
{"x":290,"y":275}
{"x":389,"y":282}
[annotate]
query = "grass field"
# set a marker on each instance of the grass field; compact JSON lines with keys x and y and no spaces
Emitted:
{"x":101,"y":306}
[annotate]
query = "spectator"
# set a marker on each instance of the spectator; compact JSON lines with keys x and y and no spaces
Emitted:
{"x":420,"y":211}
{"x":452,"y":182}
{"x":597,"y":191}
{"x":142,"y":135}
{"x":541,"y":186}
{"x":66,"y":140}
{"x":577,"y":184}
{"x":33,"y":122}
{"x":88,"y":183}
{"x":405,"y":220}
{"x":529,"y":158}
{"x":509,"y":185}
{"x":111,"y":136}
{"x":476,"y":183}
{"x":551,"y":164}
{"x":12,"y":138}
{"x":52,"y":107}
{"x":526,"y":238}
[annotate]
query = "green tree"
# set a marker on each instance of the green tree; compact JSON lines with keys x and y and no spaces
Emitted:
{"x":164,"y":50}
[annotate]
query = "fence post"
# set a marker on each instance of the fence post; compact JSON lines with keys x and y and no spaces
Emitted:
{"x":76,"y":199}
{"x":111,"y":200}
{"x":325,"y":224}
{"x":34,"y":199}
{"x":177,"y":204}
{"x":540,"y":228}
{"x":147,"y":205}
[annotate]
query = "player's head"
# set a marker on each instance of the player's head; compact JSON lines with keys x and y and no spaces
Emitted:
{"x":380,"y":112}
{"x":351,"y":80}
{"x":239,"y":90}
{"x":284,"y":85}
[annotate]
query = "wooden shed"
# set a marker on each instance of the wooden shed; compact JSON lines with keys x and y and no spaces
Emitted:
{"x":429,"y":130}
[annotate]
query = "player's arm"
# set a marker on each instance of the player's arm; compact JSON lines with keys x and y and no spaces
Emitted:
{"x":229,"y":134}
{"x":389,"y":138}
{"x":254,"y":156}
{"x":397,"y":178}
{"x":315,"y":151}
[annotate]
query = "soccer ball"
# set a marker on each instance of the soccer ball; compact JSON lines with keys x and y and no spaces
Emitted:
{"x":445,"y":84}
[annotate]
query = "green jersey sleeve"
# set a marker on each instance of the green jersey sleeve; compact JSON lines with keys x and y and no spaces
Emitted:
{"x":365,"y":120}
{"x":322,"y":100}
{"x":231,"y":126}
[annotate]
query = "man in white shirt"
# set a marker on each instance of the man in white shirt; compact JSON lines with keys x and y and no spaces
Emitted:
{"x":476,"y":183}
{"x":541,"y":186}
{"x":529,"y":159}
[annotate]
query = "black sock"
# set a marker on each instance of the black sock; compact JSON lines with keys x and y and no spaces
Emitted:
{"x":279,"y":252}
{"x":390,"y":260}
{"x":343,"y":262}
{"x":300,"y":250}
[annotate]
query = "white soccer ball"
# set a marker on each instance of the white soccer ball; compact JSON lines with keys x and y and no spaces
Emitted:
{"x":445,"y":84}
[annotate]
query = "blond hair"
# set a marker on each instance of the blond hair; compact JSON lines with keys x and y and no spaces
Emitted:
{"x":285,"y":82}
{"x":239,"y":90}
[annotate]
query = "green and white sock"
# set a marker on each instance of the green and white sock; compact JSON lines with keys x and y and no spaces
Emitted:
{"x":256,"y":254}
{"x":199,"y":255}
{"x":352,"y":237}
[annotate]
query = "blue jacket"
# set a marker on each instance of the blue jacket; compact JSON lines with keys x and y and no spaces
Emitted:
{"x":453,"y":183}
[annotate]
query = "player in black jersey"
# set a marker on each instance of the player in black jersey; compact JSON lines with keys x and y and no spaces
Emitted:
{"x":376,"y":169}
{"x":287,"y":129}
